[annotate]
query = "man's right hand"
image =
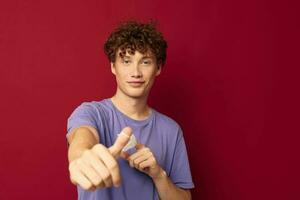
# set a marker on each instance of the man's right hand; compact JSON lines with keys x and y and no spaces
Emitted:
{"x":98,"y":167}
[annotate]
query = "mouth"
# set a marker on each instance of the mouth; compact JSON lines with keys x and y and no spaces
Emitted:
{"x":135,"y":83}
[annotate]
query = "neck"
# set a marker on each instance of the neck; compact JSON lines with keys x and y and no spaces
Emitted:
{"x":135,"y":108}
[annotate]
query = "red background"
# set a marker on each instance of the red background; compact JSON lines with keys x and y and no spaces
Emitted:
{"x":231,"y":81}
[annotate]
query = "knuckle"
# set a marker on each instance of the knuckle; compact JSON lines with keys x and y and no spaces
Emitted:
{"x":94,"y":179}
{"x":86,"y":153}
{"x":135,"y":162}
{"x":87,"y":186}
{"x":97,"y":181}
{"x":97,"y":147}
{"x":84,"y":184}
{"x":106,"y":176}
{"x":113,"y":166}
{"x":72,"y":180}
{"x":87,"y":158}
{"x":72,"y":166}
{"x":140,"y":165}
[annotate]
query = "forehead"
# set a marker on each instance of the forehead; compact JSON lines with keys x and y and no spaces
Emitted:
{"x":137,"y":54}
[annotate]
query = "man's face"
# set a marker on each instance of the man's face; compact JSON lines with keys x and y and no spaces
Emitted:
{"x":135,"y":74}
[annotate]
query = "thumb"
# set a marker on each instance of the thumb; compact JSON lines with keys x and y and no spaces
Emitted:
{"x":139,"y":146}
{"x":124,"y":155}
{"x":121,"y":142}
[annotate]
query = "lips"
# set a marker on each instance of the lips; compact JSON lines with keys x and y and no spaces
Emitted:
{"x":135,"y":83}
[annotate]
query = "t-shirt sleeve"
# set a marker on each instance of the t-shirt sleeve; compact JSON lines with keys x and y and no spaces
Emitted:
{"x":84,"y":115}
{"x":180,"y":173}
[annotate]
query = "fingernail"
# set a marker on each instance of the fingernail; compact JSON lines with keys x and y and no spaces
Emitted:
{"x":123,"y":133}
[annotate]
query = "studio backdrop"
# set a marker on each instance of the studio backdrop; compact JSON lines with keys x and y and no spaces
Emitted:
{"x":230,"y":81}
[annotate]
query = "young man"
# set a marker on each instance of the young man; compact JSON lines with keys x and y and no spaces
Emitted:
{"x":98,"y":131}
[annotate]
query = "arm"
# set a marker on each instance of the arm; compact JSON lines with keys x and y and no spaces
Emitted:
{"x":81,"y":139}
{"x":167,"y":190}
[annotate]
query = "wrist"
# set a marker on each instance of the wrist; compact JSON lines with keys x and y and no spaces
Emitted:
{"x":161,"y":175}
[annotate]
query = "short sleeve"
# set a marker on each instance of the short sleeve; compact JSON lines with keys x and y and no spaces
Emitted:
{"x":84,"y":115}
{"x":180,"y":173}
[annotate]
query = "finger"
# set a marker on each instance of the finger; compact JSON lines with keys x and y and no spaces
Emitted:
{"x":110,"y":164}
{"x":121,"y":142}
{"x":141,"y":159}
{"x":147,"y":163}
{"x":124,"y":155}
{"x":89,"y":172}
{"x":100,"y":169}
{"x":79,"y":179}
{"x":83,"y":182}
{"x":73,"y":169}
{"x":138,"y":156}
{"x":138,"y":153}
{"x":139,"y":146}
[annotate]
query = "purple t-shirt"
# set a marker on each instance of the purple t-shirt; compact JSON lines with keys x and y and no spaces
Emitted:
{"x":158,"y":132}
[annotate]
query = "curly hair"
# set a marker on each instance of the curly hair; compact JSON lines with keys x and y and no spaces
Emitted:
{"x":134,"y":36}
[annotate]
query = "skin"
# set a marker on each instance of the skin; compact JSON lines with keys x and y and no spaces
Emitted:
{"x":91,"y":164}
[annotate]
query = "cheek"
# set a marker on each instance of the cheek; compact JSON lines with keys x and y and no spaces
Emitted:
{"x":151,"y":75}
{"x":121,"y":75}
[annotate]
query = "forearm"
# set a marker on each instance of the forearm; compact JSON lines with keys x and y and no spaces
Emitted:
{"x":81,"y":140}
{"x":168,"y":190}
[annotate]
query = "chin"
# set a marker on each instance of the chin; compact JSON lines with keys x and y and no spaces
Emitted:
{"x":135,"y":94}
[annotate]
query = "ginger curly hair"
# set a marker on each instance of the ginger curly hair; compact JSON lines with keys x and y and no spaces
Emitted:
{"x":134,"y":36}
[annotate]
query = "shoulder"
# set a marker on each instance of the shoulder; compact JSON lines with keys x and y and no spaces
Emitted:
{"x":92,"y":109}
{"x":94,"y":106}
{"x":166,"y":121}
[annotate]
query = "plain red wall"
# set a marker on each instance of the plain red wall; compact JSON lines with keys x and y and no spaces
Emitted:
{"x":231,"y":81}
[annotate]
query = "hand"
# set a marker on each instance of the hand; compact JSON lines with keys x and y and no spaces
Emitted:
{"x":98,"y":167}
{"x":144,"y":160}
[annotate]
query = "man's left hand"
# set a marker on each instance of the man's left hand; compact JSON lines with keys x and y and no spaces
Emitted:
{"x":144,"y":160}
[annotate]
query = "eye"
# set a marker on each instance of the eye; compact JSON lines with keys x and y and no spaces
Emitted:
{"x":146,"y":62}
{"x":126,"y":61}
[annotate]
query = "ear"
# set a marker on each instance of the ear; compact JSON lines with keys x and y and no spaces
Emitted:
{"x":112,"y":68}
{"x":158,"y":70}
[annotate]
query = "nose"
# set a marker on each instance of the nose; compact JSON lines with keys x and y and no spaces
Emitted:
{"x":136,"y":72}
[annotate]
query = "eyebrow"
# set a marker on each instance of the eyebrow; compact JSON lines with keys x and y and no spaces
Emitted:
{"x":147,"y":57}
{"x":144,"y":57}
